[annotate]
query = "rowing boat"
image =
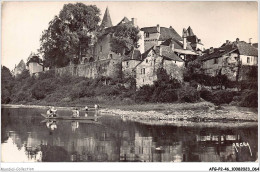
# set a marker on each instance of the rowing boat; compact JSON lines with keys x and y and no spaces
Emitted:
{"x":71,"y":118}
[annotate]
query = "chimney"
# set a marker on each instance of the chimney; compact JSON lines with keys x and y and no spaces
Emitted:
{"x":158,"y":28}
{"x":170,"y":27}
{"x":184,"y":35}
{"x":237,"y":40}
{"x":172,"y":46}
{"x":250,"y":41}
{"x":211,"y":50}
{"x":227,"y":42}
{"x":199,"y":40}
{"x":184,"y":43}
{"x":134,"y":21}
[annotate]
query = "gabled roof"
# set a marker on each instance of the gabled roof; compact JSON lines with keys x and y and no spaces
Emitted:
{"x":190,"y":32}
{"x":246,"y":49}
{"x":21,"y":65}
{"x":145,"y":54}
{"x":168,"y":54}
{"x":33,"y":58}
{"x":218,"y":52}
{"x":192,"y":39}
{"x":106,"y":22}
{"x":165,"y":33}
{"x":124,"y":21}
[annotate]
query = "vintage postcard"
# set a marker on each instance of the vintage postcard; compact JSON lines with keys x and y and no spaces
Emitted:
{"x":140,"y":82}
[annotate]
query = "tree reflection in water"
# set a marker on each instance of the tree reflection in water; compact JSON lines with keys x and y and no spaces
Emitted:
{"x":111,"y":140}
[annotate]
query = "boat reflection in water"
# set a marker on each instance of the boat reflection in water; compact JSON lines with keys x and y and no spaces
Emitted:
{"x":110,"y":139}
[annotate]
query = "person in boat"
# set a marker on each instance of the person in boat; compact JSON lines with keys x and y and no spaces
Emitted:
{"x":86,"y":108}
{"x":96,"y":107}
{"x":51,"y":112}
{"x":75,"y":113}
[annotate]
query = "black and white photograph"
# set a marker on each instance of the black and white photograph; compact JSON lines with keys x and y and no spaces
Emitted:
{"x":86,"y":84}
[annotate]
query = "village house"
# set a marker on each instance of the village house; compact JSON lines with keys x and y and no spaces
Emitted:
{"x":129,"y":63}
{"x":195,"y":42}
{"x":19,"y":68}
{"x":34,"y":64}
{"x":155,"y":58}
{"x":226,"y":59}
{"x":154,"y":36}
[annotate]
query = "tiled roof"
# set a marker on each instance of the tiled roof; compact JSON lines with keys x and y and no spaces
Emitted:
{"x":192,"y":39}
{"x":133,"y":55}
{"x":124,"y":21}
{"x":190,"y":32}
{"x":21,"y":64}
{"x":246,"y":49}
{"x":34,"y":58}
{"x":144,"y":55}
{"x":242,"y":47}
{"x":218,"y":52}
{"x":106,"y":22}
{"x":255,"y":45}
{"x":169,"y":54}
{"x":165,"y":33}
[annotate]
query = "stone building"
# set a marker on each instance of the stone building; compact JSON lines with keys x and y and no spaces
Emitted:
{"x":227,"y":58}
{"x":19,"y":68}
{"x":129,"y":63}
{"x":154,"y":36}
{"x":155,"y":58}
{"x":35,"y":64}
{"x":194,"y":41}
{"x":100,"y":59}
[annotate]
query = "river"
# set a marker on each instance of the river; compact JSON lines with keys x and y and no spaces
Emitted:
{"x":27,"y":137}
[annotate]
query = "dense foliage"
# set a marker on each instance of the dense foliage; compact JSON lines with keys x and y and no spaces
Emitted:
{"x":125,"y":37}
{"x":69,"y":34}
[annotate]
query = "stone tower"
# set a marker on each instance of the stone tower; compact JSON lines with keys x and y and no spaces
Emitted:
{"x":106,"y":22}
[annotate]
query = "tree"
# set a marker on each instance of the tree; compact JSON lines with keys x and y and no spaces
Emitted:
{"x":69,"y":33}
{"x":6,"y":84}
{"x":125,"y":38}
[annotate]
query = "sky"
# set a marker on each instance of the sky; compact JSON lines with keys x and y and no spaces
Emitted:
{"x":212,"y":22}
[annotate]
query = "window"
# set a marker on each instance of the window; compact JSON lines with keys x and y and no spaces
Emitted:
{"x":127,"y":65}
{"x":143,"y":80}
{"x":215,"y":61}
{"x":146,"y":60}
{"x":100,"y":48}
{"x":143,"y":70}
{"x":248,"y":59}
{"x":147,"y":35}
{"x":174,"y":61}
{"x":111,"y":56}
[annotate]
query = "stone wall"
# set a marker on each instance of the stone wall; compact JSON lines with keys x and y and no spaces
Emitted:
{"x":109,"y":68}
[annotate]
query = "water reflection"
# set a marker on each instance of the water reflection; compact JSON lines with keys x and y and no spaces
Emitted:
{"x":112,"y":139}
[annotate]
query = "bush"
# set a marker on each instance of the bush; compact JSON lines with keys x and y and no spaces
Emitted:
{"x":188,"y":94}
{"x":218,"y":97}
{"x":249,"y":98}
{"x":170,"y":95}
{"x":144,"y":94}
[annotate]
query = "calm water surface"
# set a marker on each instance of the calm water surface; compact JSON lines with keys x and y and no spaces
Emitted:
{"x":27,"y":137}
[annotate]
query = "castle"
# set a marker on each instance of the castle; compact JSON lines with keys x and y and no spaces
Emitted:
{"x":159,"y":47}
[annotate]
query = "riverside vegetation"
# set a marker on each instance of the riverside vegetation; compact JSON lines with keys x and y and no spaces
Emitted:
{"x":51,"y":89}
